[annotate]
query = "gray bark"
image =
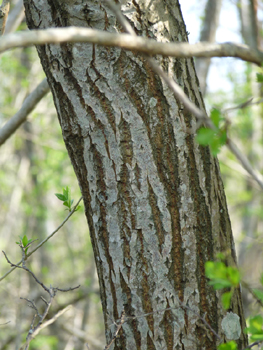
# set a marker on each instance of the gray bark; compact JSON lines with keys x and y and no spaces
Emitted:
{"x":154,"y":199}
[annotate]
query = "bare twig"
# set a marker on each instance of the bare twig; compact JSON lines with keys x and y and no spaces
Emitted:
{"x":20,"y":117}
{"x":241,"y":105}
{"x":43,"y":242}
{"x":254,"y":344}
{"x":32,"y":304}
{"x":26,"y":269}
{"x":250,"y":290}
{"x":53,"y":319}
{"x":34,"y":330}
{"x":118,"y":324}
{"x":125,"y":41}
{"x":245,"y":162}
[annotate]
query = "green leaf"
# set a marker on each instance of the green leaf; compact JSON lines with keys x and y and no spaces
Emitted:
{"x":259,"y":78}
{"x":215,"y":269}
{"x":25,"y":241}
{"x":231,"y":345}
{"x":219,"y":283}
{"x":226,"y":299}
{"x":78,"y":207}
{"x":220,"y":275}
{"x":61,"y":196}
{"x":256,"y":337}
{"x":255,"y":328}
{"x":217,"y":273}
{"x":66,"y":204}
{"x":234,"y":275}
{"x":216,"y":117}
{"x":215,"y":139}
{"x":204,"y":136}
{"x":223,"y":137}
{"x":66,"y":192}
{"x":218,"y":142}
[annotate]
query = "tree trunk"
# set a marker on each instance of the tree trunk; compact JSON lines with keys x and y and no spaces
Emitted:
{"x":153,"y":198}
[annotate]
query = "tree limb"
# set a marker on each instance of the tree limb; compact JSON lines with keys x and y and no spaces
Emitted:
{"x":20,"y":117}
{"x":44,"y":241}
{"x":128,"y":42}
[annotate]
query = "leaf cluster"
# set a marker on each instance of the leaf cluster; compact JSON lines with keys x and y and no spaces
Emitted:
{"x":25,"y":242}
{"x":65,"y":197}
{"x":214,"y":138}
{"x":222,"y":276}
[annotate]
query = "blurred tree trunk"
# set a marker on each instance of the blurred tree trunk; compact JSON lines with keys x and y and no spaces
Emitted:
{"x":250,"y":249}
{"x":249,"y":22}
{"x":153,"y":198}
{"x":208,"y":33}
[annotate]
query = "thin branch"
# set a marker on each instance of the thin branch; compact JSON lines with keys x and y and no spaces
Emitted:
{"x":53,"y":319}
{"x":250,"y":290}
{"x":245,"y":162}
{"x":254,"y":344}
{"x":249,"y":102}
{"x":119,"y":324}
{"x":20,"y":117}
{"x":34,"y":330}
{"x":26,"y":269}
{"x":43,"y":242}
{"x":125,"y":41}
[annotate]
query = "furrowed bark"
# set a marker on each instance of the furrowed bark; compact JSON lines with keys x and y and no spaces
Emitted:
{"x":153,"y":198}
